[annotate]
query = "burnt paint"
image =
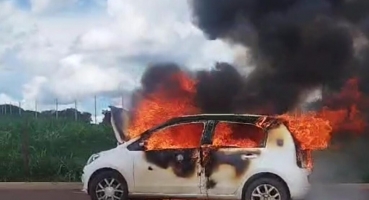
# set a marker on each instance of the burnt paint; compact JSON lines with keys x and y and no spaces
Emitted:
{"x":213,"y":158}
{"x":210,"y":183}
{"x":216,"y":158}
{"x":168,"y":159}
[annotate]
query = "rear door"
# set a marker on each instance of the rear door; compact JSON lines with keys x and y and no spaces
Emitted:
{"x":231,"y":154}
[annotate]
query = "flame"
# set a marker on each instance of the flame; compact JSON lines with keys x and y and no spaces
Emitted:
{"x":234,"y":135}
{"x":312,"y":130}
{"x":162,"y":105}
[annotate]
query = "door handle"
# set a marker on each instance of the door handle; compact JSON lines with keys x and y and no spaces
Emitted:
{"x":248,"y":156}
{"x":179,"y":157}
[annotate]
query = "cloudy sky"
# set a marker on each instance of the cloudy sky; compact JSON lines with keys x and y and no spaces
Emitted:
{"x":76,"y":49}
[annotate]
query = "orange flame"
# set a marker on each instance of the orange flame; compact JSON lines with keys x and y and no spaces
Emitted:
{"x":163,"y":105}
{"x":312,"y":130}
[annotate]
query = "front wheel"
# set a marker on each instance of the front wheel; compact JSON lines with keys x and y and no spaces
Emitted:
{"x":109,"y":185}
{"x":266,"y":189}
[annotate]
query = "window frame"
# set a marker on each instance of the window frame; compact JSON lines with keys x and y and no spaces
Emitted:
{"x":136,"y":146}
{"x":261,"y":146}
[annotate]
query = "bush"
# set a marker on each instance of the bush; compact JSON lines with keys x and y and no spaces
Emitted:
{"x":48,"y":149}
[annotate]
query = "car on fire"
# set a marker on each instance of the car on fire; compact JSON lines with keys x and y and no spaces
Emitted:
{"x":209,"y":166}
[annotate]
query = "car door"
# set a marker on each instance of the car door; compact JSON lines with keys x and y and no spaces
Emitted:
{"x":170,"y":165}
{"x":233,"y":153}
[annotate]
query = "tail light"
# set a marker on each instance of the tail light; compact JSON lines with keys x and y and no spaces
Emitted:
{"x":304,"y":159}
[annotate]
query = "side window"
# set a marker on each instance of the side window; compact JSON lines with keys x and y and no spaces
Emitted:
{"x":179,"y":136}
{"x":227,"y":134}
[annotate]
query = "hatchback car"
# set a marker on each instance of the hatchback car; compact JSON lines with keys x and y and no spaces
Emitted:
{"x":209,"y":156}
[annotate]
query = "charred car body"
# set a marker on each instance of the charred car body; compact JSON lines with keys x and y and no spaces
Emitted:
{"x":212,"y":168}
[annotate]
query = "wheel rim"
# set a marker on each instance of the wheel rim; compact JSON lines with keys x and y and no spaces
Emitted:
{"x":265,"y":192}
{"x":109,"y":189}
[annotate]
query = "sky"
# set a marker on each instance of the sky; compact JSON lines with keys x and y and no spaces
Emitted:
{"x":74,"y":50}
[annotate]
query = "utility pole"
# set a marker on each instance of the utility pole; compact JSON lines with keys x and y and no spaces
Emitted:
{"x":20,"y":108}
{"x":95,"y":111}
{"x":56,"y":108}
{"x":10,"y":108}
{"x":75,"y":110}
{"x":122,"y":101}
{"x":36,"y":109}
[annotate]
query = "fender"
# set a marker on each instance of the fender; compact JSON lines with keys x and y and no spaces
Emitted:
{"x":260,"y":171}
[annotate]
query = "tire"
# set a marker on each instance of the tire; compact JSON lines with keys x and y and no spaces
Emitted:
{"x":100,"y":186}
{"x":274,"y":186}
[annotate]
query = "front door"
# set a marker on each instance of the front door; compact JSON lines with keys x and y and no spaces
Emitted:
{"x":234,"y":150}
{"x":171,"y":163}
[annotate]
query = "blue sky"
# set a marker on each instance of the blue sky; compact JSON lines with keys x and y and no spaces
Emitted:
{"x":76,"y":49}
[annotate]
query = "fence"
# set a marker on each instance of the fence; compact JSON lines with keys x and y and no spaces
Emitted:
{"x":94,"y":107}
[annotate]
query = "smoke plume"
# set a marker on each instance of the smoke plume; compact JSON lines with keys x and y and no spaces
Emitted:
{"x":295,"y":45}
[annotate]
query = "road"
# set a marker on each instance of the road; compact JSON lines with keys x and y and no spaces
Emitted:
{"x":317,"y":194}
{"x":42,"y":195}
{"x":338,"y":193}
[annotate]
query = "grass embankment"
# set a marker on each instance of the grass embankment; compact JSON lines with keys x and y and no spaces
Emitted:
{"x":56,"y":150}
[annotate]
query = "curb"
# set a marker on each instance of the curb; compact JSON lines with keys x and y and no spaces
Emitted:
{"x":78,"y":186}
{"x":40,"y":186}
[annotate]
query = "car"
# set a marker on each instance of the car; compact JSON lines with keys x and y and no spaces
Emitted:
{"x":207,"y":156}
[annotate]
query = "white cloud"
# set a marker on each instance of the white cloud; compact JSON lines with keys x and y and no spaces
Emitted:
{"x":40,"y":6}
{"x":7,"y":9}
{"x":82,"y":55}
{"x":6,"y":99}
{"x":77,"y":78}
{"x":32,"y":89}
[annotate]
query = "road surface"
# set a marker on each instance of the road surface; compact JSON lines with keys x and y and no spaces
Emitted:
{"x":42,"y":195}
{"x":52,"y":194}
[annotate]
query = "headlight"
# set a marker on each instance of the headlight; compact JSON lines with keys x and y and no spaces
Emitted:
{"x":92,"y":158}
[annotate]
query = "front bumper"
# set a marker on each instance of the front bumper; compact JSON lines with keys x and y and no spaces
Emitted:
{"x":84,"y":180}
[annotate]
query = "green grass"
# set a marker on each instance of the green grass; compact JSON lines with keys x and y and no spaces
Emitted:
{"x":57,"y":149}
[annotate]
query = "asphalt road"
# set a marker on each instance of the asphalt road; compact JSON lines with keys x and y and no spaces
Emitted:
{"x":317,"y":194}
{"x":42,"y":195}
{"x":338,"y":193}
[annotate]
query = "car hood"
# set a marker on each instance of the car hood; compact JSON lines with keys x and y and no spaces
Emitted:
{"x":119,"y":119}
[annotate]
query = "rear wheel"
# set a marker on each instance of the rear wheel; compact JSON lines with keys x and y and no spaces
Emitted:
{"x":266,"y":189}
{"x":108,"y":185}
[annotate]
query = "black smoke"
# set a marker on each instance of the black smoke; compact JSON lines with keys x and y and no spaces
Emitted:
{"x":296,"y":46}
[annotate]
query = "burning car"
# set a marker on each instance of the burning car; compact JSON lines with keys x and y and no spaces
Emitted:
{"x":255,"y":157}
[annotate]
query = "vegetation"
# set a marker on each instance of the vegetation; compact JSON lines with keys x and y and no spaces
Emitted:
{"x":48,"y":149}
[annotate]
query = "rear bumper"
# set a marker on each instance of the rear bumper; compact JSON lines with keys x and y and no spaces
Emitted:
{"x":299,"y":185}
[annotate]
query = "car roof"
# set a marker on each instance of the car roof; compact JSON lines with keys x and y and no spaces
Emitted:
{"x":216,"y":117}
{"x":242,"y":118}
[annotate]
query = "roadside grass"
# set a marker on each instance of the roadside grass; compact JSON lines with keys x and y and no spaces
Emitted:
{"x":48,"y":149}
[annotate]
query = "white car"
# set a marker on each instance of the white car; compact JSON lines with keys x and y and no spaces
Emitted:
{"x":272,"y":170}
